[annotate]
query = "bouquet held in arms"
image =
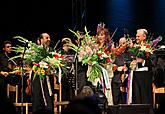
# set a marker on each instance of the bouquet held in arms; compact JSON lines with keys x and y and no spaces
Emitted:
{"x":145,"y":50}
{"x":88,"y":53}
{"x":40,"y":61}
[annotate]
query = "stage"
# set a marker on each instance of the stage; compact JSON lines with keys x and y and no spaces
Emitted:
{"x":130,"y":109}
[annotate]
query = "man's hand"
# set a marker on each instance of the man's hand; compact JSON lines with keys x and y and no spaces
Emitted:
{"x":122,"y":68}
{"x":139,"y":60}
{"x":4,"y":73}
{"x":133,"y":64}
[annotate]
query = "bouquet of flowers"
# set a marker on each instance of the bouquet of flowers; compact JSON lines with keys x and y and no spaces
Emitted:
{"x":89,"y":53}
{"x":39,"y":60}
{"x":142,"y":51}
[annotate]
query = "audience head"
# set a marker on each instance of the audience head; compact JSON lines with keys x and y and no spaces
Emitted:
{"x":141,"y":35}
{"x":82,"y":105}
{"x":86,"y":91}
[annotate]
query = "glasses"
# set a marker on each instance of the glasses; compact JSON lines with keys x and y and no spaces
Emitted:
{"x":8,"y":46}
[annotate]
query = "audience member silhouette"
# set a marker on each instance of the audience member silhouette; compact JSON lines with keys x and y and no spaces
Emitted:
{"x":82,"y":105}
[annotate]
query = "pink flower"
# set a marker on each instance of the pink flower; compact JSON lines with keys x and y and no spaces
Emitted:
{"x":89,"y":51}
{"x":82,"y":53}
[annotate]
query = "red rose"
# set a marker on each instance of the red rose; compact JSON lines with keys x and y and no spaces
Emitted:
{"x":104,"y":48}
{"x":108,"y":60}
{"x":107,"y":52}
{"x":62,"y":57}
{"x":56,"y":56}
{"x":148,"y":54}
{"x":114,"y":67}
{"x":148,"y":46}
{"x":36,"y":64}
{"x":99,"y":54}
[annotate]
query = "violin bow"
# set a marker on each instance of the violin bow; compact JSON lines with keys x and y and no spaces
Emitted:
{"x":56,"y":44}
{"x":114,"y":33}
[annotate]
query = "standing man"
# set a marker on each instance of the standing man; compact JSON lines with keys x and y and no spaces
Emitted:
{"x":42,"y":97}
{"x":142,"y":76}
{"x":121,"y":73}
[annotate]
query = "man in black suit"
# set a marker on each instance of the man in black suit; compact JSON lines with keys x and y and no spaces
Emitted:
{"x":42,"y":98}
{"x":119,"y":80}
{"x":6,"y":66}
{"x":142,"y":76}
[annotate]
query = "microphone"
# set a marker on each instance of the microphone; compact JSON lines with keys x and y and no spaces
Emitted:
{"x":26,"y":43}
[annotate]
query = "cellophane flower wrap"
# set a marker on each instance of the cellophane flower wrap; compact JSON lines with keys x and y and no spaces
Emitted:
{"x":39,"y":59}
{"x":89,"y":53}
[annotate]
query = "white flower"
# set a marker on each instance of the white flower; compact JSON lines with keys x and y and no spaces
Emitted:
{"x":43,"y":64}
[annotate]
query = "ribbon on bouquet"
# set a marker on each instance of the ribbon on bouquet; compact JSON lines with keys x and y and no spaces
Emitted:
{"x":59,"y":74}
{"x":129,"y":86}
{"x":49,"y":86}
{"x":106,"y":78}
{"x":106,"y":82}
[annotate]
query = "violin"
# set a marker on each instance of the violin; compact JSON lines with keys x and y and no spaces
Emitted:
{"x":18,"y":70}
{"x":28,"y":87}
{"x":118,"y":50}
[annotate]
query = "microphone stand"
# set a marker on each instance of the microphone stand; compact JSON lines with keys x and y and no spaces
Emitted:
{"x":22,"y":76}
{"x":75,"y":72}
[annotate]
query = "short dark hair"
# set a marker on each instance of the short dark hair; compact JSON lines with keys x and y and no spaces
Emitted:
{"x":40,"y":36}
{"x":6,"y":42}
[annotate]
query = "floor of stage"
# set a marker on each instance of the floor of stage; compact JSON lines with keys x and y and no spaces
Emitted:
{"x":133,"y":109}
{"x":125,"y":109}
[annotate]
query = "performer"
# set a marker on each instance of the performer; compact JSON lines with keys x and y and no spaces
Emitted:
{"x":119,"y":81}
{"x":104,"y":41}
{"x":142,"y":76}
{"x":42,"y":97}
{"x":6,"y":66}
{"x":68,"y":78}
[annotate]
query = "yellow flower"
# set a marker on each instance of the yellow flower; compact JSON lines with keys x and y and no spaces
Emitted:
{"x":42,"y":72}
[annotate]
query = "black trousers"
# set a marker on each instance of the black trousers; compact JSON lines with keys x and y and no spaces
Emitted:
{"x":142,"y":87}
{"x":38,"y":103}
{"x":119,"y":97}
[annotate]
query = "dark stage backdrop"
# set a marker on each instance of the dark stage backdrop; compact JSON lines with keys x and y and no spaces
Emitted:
{"x":28,"y":18}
